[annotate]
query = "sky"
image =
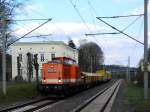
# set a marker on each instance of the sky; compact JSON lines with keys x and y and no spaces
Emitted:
{"x":72,"y":19}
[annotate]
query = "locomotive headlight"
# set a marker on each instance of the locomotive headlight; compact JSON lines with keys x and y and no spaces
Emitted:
{"x":44,"y":80}
{"x":59,"y":80}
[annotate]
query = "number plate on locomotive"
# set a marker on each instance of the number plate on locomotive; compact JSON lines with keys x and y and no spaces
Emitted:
{"x":51,"y":70}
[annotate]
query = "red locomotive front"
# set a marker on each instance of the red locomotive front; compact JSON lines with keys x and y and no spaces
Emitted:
{"x":61,"y":75}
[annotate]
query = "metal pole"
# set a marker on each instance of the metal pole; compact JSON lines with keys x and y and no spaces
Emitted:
{"x":127,"y":73}
{"x":4,"y":54}
{"x":127,"y":79}
{"x":145,"y":50}
{"x":91,"y":65}
{"x":129,"y":69}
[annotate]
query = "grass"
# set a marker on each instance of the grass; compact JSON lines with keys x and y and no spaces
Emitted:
{"x":134,"y":99}
{"x":18,"y":92}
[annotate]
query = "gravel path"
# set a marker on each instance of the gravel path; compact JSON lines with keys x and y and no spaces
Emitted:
{"x":118,"y":105}
{"x":72,"y":102}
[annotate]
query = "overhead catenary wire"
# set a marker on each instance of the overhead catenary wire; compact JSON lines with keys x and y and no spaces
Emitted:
{"x":125,"y":16}
{"x":115,"y":17}
{"x":39,"y":35}
{"x":30,"y":19}
{"x":28,"y":28}
{"x":29,"y":32}
{"x":132,"y":15}
{"x":89,"y":3}
{"x":95,"y":13}
{"x":57,"y":27}
{"x":74,"y":6}
{"x":139,"y":16}
{"x":139,"y":33}
{"x":76,"y":9}
{"x":92,"y":7}
{"x":113,"y":33}
{"x":119,"y":30}
{"x":132,"y":23}
{"x":101,"y":33}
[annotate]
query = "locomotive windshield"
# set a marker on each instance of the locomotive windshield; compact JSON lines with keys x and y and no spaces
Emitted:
{"x":69,"y":62}
{"x":63,"y":60}
{"x":58,"y":61}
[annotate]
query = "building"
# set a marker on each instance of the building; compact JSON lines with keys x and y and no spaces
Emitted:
{"x":45,"y":50}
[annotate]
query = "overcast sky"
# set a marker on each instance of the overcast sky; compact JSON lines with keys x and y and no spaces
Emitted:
{"x":67,"y":23}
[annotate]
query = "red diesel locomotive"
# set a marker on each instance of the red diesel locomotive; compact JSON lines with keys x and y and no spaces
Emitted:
{"x":63,"y":76}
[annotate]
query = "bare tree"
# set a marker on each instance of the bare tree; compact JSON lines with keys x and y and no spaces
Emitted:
{"x":90,"y":57}
{"x":8,"y":10}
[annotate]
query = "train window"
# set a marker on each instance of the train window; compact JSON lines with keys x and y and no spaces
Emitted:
{"x":56,"y":61}
{"x":68,"y":62}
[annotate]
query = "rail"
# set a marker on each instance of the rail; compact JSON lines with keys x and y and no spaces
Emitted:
{"x":30,"y":106}
{"x":101,"y":102}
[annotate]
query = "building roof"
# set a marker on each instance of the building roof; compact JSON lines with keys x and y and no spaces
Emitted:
{"x":39,"y":42}
{"x":43,"y":42}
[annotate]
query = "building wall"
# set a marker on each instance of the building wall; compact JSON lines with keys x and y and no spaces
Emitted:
{"x":57,"y":48}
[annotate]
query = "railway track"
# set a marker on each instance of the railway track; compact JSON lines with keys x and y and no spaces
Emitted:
{"x":106,"y":96}
{"x":31,"y":106}
{"x":101,"y":102}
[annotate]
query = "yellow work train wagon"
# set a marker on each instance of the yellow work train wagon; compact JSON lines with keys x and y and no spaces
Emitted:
{"x":105,"y":75}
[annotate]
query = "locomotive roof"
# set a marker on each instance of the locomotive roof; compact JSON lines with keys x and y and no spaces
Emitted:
{"x":61,"y":58}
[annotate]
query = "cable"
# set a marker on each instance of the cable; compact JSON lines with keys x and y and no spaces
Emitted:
{"x":101,"y":34}
{"x":131,"y":23}
{"x":119,"y":30}
{"x":28,"y":32}
{"x":39,"y":36}
{"x":123,"y":16}
{"x":118,"y":17}
{"x":116,"y":32}
{"x":42,"y":15}
{"x":29,"y":19}
{"x":137,"y":38}
{"x":81,"y":18}
{"x":28,"y":28}
{"x":79,"y":15}
{"x":93,"y":9}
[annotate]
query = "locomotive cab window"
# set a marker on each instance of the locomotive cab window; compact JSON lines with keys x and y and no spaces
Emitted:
{"x":69,"y":62}
{"x":58,"y":61}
